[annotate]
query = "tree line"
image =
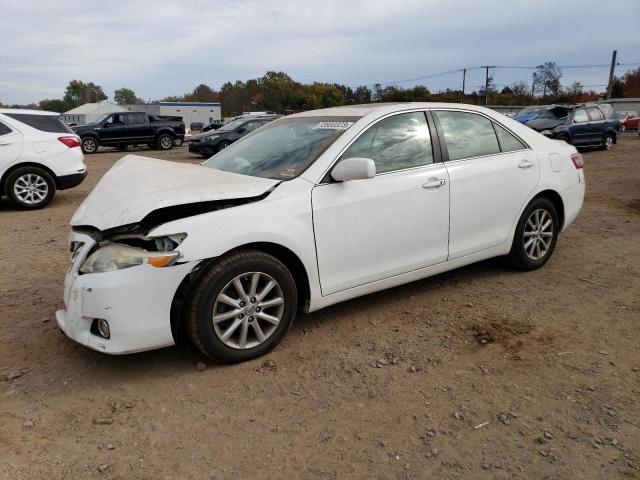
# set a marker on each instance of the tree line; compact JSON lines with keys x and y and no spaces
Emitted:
{"x":278,"y":92}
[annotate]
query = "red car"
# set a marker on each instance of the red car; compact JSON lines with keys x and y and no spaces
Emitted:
{"x":629,"y":121}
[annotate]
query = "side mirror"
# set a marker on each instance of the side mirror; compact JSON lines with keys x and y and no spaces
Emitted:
{"x":354,"y":169}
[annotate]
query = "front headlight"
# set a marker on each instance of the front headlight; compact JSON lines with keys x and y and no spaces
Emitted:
{"x":546,"y":132}
{"x":116,"y":256}
{"x":209,"y":138}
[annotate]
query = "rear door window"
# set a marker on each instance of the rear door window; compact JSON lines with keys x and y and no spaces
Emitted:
{"x":595,"y":115}
{"x":44,"y":123}
{"x":467,"y":134}
{"x":136,"y":118}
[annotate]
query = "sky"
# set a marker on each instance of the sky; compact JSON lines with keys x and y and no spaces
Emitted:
{"x":167,"y":47}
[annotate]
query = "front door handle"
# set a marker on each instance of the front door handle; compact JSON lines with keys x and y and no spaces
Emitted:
{"x":526,"y":164}
{"x":434,"y":183}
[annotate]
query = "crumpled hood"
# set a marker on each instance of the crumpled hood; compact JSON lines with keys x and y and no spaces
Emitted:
{"x":135,"y":186}
{"x":544,"y":124}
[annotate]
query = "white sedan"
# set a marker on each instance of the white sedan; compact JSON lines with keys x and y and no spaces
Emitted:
{"x":305,"y":212}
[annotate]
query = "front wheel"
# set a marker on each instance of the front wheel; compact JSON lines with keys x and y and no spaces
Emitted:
{"x":241,"y":307}
{"x":165,"y":142}
{"x":536,"y":235}
{"x":30,"y":188}
{"x":607,"y":142}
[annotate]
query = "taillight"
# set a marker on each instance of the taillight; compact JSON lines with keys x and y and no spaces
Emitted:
{"x":70,"y":141}
{"x":578,"y":161}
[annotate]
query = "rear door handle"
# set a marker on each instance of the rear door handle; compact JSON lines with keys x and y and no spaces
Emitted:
{"x":526,"y":164}
{"x":434,"y":183}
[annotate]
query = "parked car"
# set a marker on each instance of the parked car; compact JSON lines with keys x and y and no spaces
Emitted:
{"x":629,"y":121}
{"x":131,"y":129}
{"x":196,"y":127}
{"x":527,"y":114}
{"x":308,"y":211}
{"x":208,"y":143}
{"x":584,"y":125}
{"x":39,"y":154}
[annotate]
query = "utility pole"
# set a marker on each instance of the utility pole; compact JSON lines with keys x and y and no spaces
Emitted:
{"x":464,"y":79}
{"x":611,"y":72}
{"x":486,"y":82}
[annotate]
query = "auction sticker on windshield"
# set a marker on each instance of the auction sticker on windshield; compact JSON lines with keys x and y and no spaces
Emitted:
{"x":334,"y":125}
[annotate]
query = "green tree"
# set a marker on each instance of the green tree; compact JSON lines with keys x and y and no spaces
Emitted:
{"x":125,"y":96}
{"x":79,"y":93}
{"x":55,"y":105}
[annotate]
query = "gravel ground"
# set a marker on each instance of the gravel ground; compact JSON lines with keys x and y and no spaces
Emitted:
{"x":482,"y":372}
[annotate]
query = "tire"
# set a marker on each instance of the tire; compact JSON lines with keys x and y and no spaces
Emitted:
{"x":524,"y":255}
{"x":30,"y":188}
{"x":222,"y":145}
{"x":607,"y":142}
{"x":623,"y":128}
{"x":240,"y":318}
{"x":89,"y":145}
{"x":177,"y":142}
{"x":164,"y":141}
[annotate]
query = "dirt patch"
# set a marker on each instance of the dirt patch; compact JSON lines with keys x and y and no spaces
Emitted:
{"x":391,"y":386}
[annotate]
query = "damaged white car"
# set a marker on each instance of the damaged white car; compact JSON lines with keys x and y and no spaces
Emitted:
{"x":307,"y":211}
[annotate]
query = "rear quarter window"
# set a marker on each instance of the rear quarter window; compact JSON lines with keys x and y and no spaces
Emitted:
{"x":44,"y":123}
{"x":4,"y":129}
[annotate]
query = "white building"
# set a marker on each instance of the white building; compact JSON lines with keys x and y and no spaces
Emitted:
{"x":89,"y":112}
{"x":191,"y":112}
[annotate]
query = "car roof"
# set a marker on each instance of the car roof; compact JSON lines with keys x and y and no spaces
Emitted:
{"x":382,"y":108}
{"x":28,"y":112}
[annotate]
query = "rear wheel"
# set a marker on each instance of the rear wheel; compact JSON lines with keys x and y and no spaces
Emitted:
{"x":165,"y":142}
{"x":30,"y":188}
{"x":89,"y":145}
{"x":241,"y":307}
{"x":536,"y":235}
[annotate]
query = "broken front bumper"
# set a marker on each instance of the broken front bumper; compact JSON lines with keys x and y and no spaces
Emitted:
{"x":136,"y":302}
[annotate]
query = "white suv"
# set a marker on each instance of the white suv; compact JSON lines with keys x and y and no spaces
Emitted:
{"x":38,"y":154}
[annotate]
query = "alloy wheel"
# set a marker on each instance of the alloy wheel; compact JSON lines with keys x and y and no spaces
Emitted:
{"x":608,"y":142}
{"x":89,"y":145}
{"x":248,"y":310}
{"x":538,"y":234}
{"x":166,"y":142}
{"x":31,"y":188}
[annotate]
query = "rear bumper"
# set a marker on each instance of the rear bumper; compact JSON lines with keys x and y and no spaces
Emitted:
{"x":69,"y":181}
{"x":572,"y":198}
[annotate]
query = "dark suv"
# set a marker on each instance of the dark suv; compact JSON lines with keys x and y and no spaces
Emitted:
{"x":584,"y":125}
{"x":211,"y":142}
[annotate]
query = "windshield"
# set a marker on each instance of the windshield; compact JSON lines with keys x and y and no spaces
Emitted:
{"x":530,"y":111}
{"x":554,"y":113}
{"x":283,"y":149}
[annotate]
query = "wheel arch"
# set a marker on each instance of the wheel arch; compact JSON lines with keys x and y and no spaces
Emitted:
{"x":555,"y":198}
{"x":14,"y":167}
{"x":282,"y":253}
